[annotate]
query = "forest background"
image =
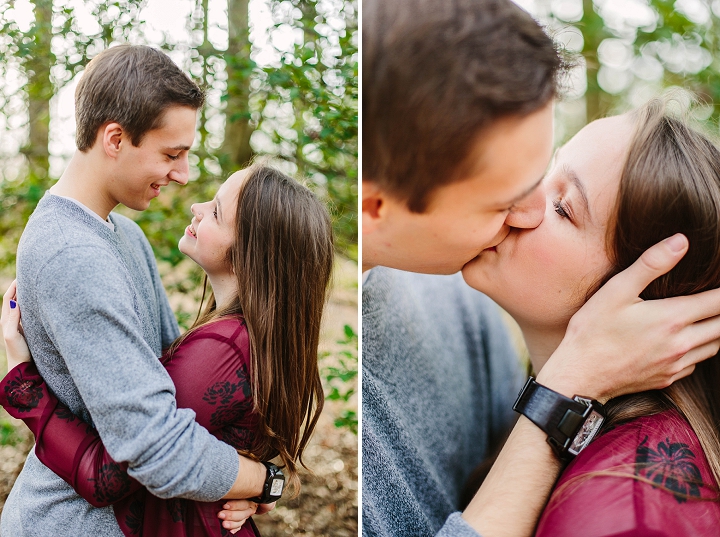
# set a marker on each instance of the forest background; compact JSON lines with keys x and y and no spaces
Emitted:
{"x":289,"y":90}
{"x":628,"y":51}
{"x":281,"y":78}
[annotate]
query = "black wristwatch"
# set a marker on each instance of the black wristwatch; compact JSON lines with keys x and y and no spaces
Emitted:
{"x":571,"y":424}
{"x":274,"y":485}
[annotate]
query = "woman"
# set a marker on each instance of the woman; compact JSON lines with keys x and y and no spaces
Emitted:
{"x":619,"y":186}
{"x":248,"y":366}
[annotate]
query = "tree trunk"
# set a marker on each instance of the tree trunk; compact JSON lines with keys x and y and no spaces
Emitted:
{"x":236,"y":151}
{"x":39,"y":90}
{"x":593,"y":34}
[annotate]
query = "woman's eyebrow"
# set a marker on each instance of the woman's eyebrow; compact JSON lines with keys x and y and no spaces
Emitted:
{"x":574,"y":179}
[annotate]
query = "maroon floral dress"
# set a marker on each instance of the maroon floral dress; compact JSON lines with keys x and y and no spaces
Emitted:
{"x":211,"y":372}
{"x":646,"y":478}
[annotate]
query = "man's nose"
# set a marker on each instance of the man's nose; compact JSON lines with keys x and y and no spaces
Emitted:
{"x":529,"y":212}
{"x":180,"y":172}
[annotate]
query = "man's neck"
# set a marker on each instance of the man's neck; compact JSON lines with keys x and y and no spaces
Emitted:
{"x":83,"y":181}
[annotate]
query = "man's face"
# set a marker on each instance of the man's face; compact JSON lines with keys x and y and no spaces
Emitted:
{"x":140,"y":172}
{"x":466,"y":217}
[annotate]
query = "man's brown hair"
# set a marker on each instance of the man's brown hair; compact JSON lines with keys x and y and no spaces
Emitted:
{"x":133,"y":86}
{"x":435,"y":75}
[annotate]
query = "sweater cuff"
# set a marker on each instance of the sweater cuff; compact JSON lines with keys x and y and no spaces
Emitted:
{"x":455,"y":526}
{"x":226,"y":463}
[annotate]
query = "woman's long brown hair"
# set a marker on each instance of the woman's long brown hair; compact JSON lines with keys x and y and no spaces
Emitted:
{"x":282,"y":256}
{"x":671,"y":184}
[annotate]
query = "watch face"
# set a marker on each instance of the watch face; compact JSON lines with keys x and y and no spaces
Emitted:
{"x":587,"y":432}
{"x":276,"y":487}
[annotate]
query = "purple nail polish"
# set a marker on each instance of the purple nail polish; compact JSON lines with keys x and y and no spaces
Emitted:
{"x":13,"y":304}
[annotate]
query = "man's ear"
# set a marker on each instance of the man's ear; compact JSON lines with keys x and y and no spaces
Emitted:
{"x":373,"y":206}
{"x":112,"y":137}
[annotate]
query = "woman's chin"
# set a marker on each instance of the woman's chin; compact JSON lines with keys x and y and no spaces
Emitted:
{"x":182,"y":246}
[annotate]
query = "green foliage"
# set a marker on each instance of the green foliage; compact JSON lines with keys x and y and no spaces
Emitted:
{"x":315,"y":85}
{"x":302,"y":112}
{"x":634,"y":53}
{"x":317,"y":133}
{"x":8,"y":434}
{"x":340,"y":378}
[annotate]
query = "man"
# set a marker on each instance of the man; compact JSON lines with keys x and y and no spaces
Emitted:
{"x":95,"y":313}
{"x":457,"y":132}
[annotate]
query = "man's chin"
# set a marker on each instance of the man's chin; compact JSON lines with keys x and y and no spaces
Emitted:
{"x":136,"y":205}
{"x":432,"y":268}
{"x":478,"y":257}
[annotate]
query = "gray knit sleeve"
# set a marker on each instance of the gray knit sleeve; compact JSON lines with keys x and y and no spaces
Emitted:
{"x":455,"y":526}
{"x":91,"y":320}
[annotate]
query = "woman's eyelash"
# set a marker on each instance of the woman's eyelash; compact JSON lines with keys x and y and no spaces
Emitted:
{"x":215,"y":213}
{"x":561,"y":209}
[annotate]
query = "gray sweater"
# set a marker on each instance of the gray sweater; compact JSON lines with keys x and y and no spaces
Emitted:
{"x":96,"y":318}
{"x":439,"y":377}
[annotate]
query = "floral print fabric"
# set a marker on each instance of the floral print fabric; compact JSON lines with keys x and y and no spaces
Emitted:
{"x":647,"y":477}
{"x":210,"y":370}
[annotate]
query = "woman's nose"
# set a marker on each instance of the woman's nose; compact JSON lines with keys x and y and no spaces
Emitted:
{"x":195,"y":210}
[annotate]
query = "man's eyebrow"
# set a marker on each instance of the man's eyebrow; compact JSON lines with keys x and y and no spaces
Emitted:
{"x":580,"y":186}
{"x":179,"y":148}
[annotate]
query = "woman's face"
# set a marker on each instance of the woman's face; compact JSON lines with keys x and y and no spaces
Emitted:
{"x":541,"y":275}
{"x":212,"y":230}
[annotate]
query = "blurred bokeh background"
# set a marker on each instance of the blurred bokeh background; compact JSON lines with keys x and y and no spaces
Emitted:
{"x":627,"y":51}
{"x":282,"y":81}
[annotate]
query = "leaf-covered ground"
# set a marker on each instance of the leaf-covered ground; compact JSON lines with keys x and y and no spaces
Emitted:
{"x":328,"y":501}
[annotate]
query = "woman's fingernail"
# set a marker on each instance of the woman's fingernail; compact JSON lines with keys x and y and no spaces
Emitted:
{"x":222,"y":515}
{"x":13,"y":304}
{"x":226,"y":506}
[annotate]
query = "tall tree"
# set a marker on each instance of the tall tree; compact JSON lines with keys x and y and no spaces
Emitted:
{"x":236,"y":150}
{"x":37,"y":59}
{"x":593,"y":28}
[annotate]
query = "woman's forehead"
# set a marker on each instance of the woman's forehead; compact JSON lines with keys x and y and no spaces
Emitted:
{"x":601,"y":147}
{"x":611,"y":133}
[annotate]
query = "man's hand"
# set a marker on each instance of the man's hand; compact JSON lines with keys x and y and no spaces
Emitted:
{"x":617,"y":343}
{"x":15,"y":344}
{"x":236,"y":512}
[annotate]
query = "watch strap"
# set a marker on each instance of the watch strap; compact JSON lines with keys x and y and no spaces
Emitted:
{"x":270,"y":494}
{"x":558,"y":416}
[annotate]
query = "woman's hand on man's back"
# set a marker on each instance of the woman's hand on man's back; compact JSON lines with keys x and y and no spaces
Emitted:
{"x":15,"y":345}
